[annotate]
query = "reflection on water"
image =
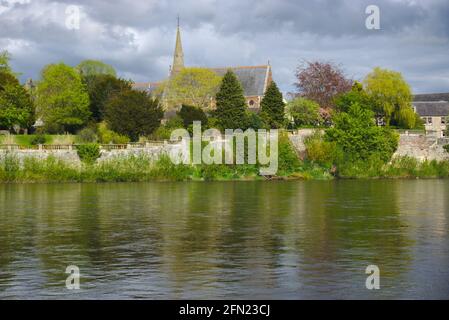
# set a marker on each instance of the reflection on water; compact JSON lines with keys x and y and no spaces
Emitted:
{"x":280,"y":240}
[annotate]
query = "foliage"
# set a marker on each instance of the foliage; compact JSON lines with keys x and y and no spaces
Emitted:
{"x":106,"y":136}
{"x":38,"y":139}
{"x":88,"y":152}
{"x":196,"y":86}
{"x":231,"y":104}
{"x":188,"y":114}
{"x":322,"y":152}
{"x":62,"y":99}
{"x":359,"y":138}
{"x":321,"y":82}
{"x":5,"y":57}
{"x":254,"y":121}
{"x":392,"y":97}
{"x":133,"y":113}
{"x":357,"y":95}
{"x":87,"y":135}
{"x":16,"y":107}
{"x":101,"y":88}
{"x":272,"y":107}
{"x":94,"y":67}
{"x":446,"y":147}
{"x":165,"y":130}
{"x":7,"y":79}
{"x":304,"y":112}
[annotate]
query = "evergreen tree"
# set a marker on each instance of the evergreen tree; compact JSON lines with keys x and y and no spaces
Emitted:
{"x":272,"y":107}
{"x":231,"y":104}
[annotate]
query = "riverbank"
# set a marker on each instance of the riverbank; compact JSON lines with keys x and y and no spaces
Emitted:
{"x":143,"y":168}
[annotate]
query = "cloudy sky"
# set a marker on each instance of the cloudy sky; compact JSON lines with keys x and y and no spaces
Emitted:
{"x":137,"y":37}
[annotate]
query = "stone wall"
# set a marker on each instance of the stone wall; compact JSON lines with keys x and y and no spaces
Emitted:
{"x":422,"y":147}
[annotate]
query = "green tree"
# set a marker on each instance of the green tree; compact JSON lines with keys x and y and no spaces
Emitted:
{"x":133,"y":113}
{"x":273,"y":107}
{"x":392,"y":97}
{"x":101,"y":88}
{"x":230,"y":103}
{"x":195,"y":86}
{"x":94,"y":67}
{"x":62,"y":100}
{"x":356,"y":133}
{"x":357,"y":95}
{"x":189,"y":114}
{"x":5,"y":57}
{"x":304,"y":112}
{"x":16,"y":107}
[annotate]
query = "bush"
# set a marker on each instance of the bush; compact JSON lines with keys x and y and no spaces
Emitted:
{"x":304,"y":112}
{"x":87,"y":135}
{"x":38,"y":139}
{"x":108,"y":136}
{"x":188,"y":114}
{"x":446,"y":147}
{"x":89,"y":152}
{"x":322,"y":152}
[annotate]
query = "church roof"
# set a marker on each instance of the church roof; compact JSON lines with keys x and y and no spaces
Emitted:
{"x":432,"y":108}
{"x":253,"y":78}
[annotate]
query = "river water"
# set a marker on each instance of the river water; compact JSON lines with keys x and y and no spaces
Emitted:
{"x":233,"y":240}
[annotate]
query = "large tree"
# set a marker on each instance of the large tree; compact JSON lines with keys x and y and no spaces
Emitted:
{"x":359,"y":138}
{"x":16,"y":107}
{"x":62,"y":101}
{"x":230,"y":103}
{"x":193,"y":86}
{"x":94,"y":67}
{"x":321,"y":82}
{"x":273,"y":107}
{"x":391,"y":96}
{"x":101,"y":88}
{"x":133,"y":113}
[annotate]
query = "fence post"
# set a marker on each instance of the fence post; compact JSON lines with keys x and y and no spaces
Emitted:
{"x":40,"y":147}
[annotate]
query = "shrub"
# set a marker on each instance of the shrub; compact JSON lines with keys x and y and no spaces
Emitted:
{"x":87,"y":135}
{"x":189,"y":114}
{"x":322,"y":152}
{"x":108,"y":136}
{"x":446,"y":147}
{"x":38,"y":139}
{"x":89,"y":152}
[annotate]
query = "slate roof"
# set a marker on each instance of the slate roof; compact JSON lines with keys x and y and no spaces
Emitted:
{"x":252,"y":78}
{"x":431,"y":97}
{"x":432,"y":108}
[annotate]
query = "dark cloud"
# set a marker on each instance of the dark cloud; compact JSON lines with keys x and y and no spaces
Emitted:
{"x":137,"y":37}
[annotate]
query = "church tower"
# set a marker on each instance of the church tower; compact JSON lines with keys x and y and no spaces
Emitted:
{"x":178,"y":57}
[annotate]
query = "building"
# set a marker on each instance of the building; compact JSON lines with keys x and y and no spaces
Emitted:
{"x":434,"y":110}
{"x":254,"y":79}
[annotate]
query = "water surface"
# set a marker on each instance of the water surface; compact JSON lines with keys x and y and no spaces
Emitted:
{"x":274,"y":240}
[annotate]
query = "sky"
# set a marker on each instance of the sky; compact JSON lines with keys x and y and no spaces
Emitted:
{"x":138,"y":37}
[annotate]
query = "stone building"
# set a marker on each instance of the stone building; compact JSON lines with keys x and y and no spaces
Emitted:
{"x":434,"y":110}
{"x":254,"y":79}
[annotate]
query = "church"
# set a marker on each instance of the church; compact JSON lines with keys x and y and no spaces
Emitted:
{"x":254,"y":79}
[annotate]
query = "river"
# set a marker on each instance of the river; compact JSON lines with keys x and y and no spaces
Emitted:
{"x":232,"y":240}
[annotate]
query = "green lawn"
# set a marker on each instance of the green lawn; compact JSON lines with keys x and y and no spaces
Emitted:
{"x":25,"y":140}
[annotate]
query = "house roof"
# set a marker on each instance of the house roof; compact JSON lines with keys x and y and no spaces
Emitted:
{"x":432,"y":108}
{"x":252,"y":78}
{"x":431,"y":97}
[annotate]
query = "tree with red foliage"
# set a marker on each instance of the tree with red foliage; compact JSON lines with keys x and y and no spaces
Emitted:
{"x":321,"y":82}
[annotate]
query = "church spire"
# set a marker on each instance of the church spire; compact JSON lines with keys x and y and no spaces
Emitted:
{"x":178,"y":57}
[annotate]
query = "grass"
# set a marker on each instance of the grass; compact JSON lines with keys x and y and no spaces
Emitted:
{"x":25,"y":140}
